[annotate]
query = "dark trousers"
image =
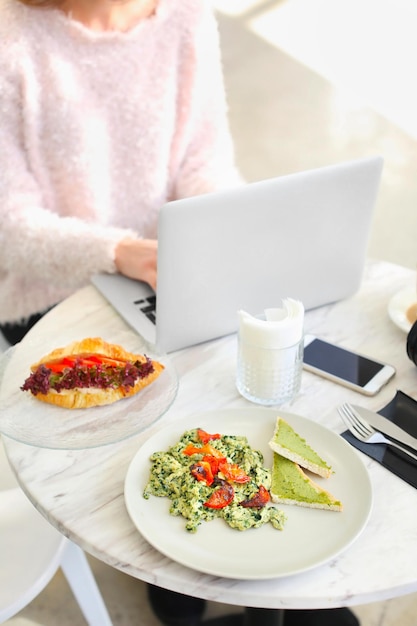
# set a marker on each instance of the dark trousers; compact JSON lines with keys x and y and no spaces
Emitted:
{"x":14,"y":332}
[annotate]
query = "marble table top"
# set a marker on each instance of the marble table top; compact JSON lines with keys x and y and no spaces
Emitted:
{"x":81,"y":491}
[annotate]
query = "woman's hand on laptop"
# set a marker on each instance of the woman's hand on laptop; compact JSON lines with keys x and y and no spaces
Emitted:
{"x":137,"y":258}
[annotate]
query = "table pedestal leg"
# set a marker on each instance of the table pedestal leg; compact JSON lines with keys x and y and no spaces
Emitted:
{"x":250,"y":617}
{"x":266,"y":617}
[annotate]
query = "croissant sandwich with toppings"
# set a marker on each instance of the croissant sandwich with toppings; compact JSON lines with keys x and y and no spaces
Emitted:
{"x":90,"y":373}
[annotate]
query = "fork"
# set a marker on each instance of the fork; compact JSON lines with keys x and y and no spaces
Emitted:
{"x":363,"y":431}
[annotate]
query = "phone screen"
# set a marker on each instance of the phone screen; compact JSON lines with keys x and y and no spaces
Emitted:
{"x":339,"y":362}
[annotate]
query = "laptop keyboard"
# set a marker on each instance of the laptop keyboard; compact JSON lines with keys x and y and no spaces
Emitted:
{"x":148,"y":307}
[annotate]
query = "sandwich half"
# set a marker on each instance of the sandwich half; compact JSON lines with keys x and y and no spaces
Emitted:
{"x":291,"y":485}
{"x":289,"y":444}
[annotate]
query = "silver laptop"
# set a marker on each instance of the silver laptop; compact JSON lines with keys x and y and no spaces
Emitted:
{"x":302,"y":236}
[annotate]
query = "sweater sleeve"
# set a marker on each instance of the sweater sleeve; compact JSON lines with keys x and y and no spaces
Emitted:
{"x":208,"y":161}
{"x":35,"y":242}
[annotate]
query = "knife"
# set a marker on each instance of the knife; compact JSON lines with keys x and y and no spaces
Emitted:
{"x":386,"y":427}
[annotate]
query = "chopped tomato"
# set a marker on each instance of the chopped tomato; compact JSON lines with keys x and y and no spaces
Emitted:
{"x":232,"y":471}
{"x":206,"y":437}
{"x":221,"y":497}
{"x":213,"y":461}
{"x":56,"y":367}
{"x":68,"y":360}
{"x":258,"y":500}
{"x":192,"y":449}
{"x":61,"y":364}
{"x":83,"y":360}
{"x":105,"y":360}
{"x":202,"y":471}
{"x":206,"y":449}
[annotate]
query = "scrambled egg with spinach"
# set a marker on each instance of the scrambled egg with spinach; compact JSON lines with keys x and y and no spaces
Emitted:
{"x":207,"y":476}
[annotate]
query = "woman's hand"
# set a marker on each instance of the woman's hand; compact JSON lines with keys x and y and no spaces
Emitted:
{"x":137,"y":258}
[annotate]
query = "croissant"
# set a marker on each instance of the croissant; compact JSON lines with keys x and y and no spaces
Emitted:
{"x":89,"y":373}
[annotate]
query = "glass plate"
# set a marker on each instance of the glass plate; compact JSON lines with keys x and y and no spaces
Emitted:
{"x":310,"y":536}
{"x":36,"y":423}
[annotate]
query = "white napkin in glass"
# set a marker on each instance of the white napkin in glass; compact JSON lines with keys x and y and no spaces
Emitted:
{"x":281,"y":328}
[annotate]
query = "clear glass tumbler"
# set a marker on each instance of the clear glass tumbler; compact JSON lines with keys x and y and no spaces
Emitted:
{"x":269,"y":376}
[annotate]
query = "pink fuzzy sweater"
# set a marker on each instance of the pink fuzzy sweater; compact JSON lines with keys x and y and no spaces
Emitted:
{"x":97,"y":131}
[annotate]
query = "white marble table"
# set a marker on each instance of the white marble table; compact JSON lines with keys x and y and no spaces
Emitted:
{"x":81,"y":492}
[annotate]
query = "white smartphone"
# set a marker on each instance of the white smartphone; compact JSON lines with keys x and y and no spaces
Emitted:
{"x":348,"y":368}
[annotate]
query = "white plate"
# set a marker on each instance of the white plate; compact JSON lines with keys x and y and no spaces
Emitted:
{"x":30,"y":421}
{"x":398,"y":306}
{"x":310,"y":537}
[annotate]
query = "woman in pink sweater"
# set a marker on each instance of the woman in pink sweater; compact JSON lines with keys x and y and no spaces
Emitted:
{"x":108,"y":109}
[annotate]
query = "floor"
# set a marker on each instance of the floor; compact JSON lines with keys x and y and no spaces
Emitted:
{"x":310,"y":83}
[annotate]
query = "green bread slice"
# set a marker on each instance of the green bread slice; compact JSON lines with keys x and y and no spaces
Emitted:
{"x":289,"y":444}
{"x":290,"y":485}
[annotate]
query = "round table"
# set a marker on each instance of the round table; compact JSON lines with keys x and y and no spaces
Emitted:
{"x":81,"y":491}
